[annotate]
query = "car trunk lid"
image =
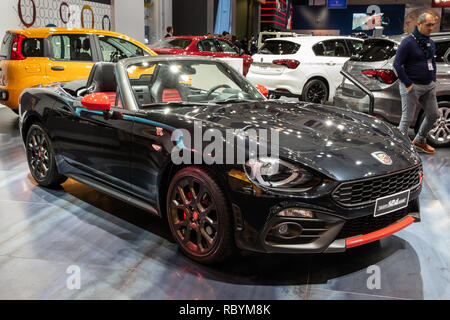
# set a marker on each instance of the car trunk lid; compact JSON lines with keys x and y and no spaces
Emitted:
{"x":373,"y":66}
{"x":263,"y":64}
{"x":283,"y":51}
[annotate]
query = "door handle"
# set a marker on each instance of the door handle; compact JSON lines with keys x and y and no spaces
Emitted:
{"x":331,"y":63}
{"x":58,"y":68}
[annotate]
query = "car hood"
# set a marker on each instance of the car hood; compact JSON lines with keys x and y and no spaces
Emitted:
{"x":334,"y":141}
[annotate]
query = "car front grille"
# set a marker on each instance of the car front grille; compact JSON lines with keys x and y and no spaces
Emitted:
{"x":368,"y":224}
{"x":367,"y":191}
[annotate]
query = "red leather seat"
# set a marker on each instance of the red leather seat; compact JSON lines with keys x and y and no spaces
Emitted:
{"x":171,"y":95}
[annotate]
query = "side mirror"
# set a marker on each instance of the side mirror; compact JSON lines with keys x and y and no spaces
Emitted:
{"x":96,"y":101}
{"x":241,"y":52}
{"x":264,"y":91}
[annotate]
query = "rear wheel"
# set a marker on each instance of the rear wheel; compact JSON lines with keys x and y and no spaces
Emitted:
{"x":41,"y":159}
{"x":315,"y":91}
{"x":199,"y":216}
{"x":439,"y":135}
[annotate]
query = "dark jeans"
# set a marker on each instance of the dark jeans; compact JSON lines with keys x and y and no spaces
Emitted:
{"x":426,"y":95}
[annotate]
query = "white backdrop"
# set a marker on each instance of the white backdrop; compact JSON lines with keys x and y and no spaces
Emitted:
{"x":129,"y":18}
{"x":50,"y":12}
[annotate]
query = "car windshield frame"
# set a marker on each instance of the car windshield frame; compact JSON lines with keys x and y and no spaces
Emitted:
{"x":129,"y":97}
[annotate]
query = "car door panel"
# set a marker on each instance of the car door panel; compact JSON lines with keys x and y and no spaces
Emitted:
{"x":331,"y":60}
{"x":64,"y":62}
{"x":97,"y":145}
{"x":149,"y":156}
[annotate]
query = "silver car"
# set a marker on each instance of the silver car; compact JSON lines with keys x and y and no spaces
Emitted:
{"x":373,"y":71}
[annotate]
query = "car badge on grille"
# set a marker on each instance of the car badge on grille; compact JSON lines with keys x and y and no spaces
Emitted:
{"x":382,"y":157}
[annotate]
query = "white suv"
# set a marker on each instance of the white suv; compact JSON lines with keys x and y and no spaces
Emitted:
{"x":304,"y":67}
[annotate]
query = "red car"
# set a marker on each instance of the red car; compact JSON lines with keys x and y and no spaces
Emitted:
{"x":202,"y":46}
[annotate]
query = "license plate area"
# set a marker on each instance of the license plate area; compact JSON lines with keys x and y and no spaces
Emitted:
{"x":267,"y":68}
{"x":391,"y":203}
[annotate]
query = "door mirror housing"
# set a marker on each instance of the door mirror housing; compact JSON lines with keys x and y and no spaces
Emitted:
{"x":96,"y":101}
{"x":241,"y":52}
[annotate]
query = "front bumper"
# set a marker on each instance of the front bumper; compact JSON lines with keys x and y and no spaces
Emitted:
{"x":333,"y":228}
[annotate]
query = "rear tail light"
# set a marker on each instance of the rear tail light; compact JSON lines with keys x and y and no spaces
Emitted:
{"x":384,"y":75}
{"x":264,"y":91}
{"x":290,"y":63}
{"x":16,"y":48}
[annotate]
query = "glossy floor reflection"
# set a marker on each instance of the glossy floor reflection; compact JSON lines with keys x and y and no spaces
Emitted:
{"x":125,"y":253}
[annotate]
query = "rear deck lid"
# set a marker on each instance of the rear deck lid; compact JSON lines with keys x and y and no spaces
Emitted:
{"x":373,"y":66}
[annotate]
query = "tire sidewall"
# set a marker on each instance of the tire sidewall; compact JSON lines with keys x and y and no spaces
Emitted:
{"x":50,"y":177}
{"x":431,"y":141}
{"x":223,"y":212}
{"x":308,"y":86}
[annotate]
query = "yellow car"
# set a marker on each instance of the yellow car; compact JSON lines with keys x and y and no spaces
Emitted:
{"x":32,"y":57}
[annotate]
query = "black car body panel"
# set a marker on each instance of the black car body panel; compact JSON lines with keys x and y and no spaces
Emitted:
{"x":127,"y":153}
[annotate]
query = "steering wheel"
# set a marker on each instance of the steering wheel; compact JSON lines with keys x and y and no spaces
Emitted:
{"x":210,"y":91}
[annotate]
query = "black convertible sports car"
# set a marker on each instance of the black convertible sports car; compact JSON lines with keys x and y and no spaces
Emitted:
{"x":340,"y":178}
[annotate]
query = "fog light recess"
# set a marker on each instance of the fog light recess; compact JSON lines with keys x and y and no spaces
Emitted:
{"x":288,"y":230}
{"x":296,"y":213}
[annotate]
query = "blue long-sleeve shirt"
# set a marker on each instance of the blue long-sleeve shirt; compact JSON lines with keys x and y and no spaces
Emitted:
{"x":411,"y":64}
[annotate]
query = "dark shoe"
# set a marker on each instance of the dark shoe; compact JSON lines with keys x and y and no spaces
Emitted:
{"x":423,"y":147}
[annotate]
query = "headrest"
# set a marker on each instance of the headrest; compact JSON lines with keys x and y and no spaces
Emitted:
{"x":102,"y":77}
{"x":86,"y":44}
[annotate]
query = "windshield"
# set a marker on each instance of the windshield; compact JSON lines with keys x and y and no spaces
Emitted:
{"x":188,"y":81}
{"x":377,"y":50}
{"x":173,"y":43}
{"x":279,"y":47}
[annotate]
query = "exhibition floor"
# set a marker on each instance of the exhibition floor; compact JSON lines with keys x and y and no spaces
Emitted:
{"x":125,"y":253}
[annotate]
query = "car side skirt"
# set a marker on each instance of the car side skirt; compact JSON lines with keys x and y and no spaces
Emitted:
{"x":114,"y":193}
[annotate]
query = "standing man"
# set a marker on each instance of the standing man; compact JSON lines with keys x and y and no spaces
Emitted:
{"x":169,"y":32}
{"x":236,"y":42}
{"x":226,"y":35}
{"x":416,"y":68}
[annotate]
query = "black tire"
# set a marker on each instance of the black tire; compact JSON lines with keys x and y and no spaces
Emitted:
{"x":41,"y":158}
{"x":199,"y":216}
{"x":315,"y":91}
{"x":439,"y":136}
